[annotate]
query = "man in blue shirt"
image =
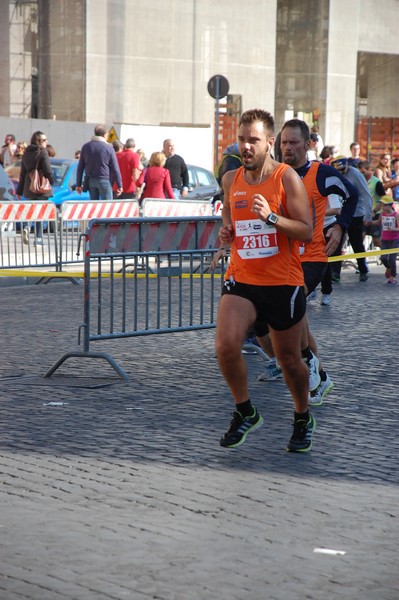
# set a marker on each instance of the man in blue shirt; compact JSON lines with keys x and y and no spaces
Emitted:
{"x":98,"y":161}
{"x":362,"y":216}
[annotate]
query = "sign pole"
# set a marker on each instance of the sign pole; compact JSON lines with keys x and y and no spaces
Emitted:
{"x":218,"y":87}
{"x":217,"y":118}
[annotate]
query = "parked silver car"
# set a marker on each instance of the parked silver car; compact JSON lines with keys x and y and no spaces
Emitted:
{"x":202,"y":184}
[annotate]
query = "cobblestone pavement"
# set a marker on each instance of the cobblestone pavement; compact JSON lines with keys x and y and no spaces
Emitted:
{"x":121,"y":490}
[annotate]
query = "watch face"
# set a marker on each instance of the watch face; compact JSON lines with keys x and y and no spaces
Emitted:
{"x":272,"y":218}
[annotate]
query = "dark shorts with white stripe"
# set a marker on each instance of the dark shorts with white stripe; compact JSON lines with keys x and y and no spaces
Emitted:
{"x":280,"y":306}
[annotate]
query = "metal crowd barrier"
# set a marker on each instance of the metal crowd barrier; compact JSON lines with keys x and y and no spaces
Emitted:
{"x":178,"y":296}
{"x":63,"y":226}
{"x":75,"y":216}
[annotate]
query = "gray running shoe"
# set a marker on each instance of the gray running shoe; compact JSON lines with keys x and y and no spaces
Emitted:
{"x":271,"y":372}
{"x":325,"y":300}
{"x":314,"y":375}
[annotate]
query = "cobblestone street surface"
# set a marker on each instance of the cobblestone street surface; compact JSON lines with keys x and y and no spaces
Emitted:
{"x":113,"y":490}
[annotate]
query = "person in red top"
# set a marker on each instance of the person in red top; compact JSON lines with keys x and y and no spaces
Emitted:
{"x":156,"y":178}
{"x":265,"y":213}
{"x":129,"y":166}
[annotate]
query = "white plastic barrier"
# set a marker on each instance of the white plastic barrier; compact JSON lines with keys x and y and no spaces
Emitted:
{"x":156,"y":207}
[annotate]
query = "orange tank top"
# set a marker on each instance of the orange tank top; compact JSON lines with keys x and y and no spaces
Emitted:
{"x":315,"y":251}
{"x":261,"y":255}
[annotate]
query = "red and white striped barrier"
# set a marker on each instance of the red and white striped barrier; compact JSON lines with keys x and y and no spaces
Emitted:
{"x":147,"y":236}
{"x":153,"y":207}
{"x":28,"y":211}
{"x":99,"y":209}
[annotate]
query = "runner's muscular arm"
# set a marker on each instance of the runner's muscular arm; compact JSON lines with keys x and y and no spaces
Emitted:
{"x":298,"y":225}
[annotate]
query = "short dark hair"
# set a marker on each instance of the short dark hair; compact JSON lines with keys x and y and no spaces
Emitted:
{"x":326,"y":152}
{"x":257,"y":114}
{"x":301,"y":125}
{"x":363,"y":164}
{"x":117,"y":145}
{"x":353,"y":144}
{"x":100,"y":130}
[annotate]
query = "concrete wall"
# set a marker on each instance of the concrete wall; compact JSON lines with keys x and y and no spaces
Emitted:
{"x":150,"y":62}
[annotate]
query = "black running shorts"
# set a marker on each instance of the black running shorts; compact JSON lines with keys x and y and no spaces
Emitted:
{"x":280,"y":306}
{"x":313,"y":273}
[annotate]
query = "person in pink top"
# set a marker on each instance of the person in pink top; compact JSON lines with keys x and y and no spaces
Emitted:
{"x":157,"y":179}
{"x":389,"y":220}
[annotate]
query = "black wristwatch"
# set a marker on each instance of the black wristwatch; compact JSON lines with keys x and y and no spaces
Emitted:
{"x":272,"y":219}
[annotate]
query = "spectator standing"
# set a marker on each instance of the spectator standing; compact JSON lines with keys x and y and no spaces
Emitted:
{"x":362,"y":216}
{"x":395,"y":179}
{"x":8,"y":150}
{"x":231,"y":160}
{"x":312,"y":152}
{"x":20,"y":151}
{"x":35,"y":156}
{"x":98,"y":160}
{"x":117,"y":146}
{"x":389,"y":221}
{"x":51,"y":150}
{"x":354,"y":159}
{"x":376,"y":190}
{"x":157,"y":178}
{"x":129,"y":166}
{"x":177,"y":169}
{"x":143,"y":158}
{"x":14,"y":169}
{"x":326,"y":154}
{"x":334,"y":207}
{"x":383,"y":172}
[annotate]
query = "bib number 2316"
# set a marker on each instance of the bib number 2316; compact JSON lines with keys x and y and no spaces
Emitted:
{"x":255,"y":239}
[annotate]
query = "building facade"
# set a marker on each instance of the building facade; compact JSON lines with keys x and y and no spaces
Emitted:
{"x":330,"y":62}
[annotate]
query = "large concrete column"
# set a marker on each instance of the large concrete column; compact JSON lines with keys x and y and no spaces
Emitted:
{"x":5,"y":59}
{"x":341,"y":73}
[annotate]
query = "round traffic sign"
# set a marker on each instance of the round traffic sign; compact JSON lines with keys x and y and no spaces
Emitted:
{"x":218,"y":86}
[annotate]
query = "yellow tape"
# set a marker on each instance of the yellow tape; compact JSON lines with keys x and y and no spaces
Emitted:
{"x":94,"y":275}
{"x":80,"y":274}
{"x":362,"y":254}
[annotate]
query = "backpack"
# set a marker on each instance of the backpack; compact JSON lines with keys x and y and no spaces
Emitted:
{"x":229,"y":161}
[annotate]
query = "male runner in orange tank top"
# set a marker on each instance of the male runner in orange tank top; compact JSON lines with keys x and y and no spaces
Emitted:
{"x":320,"y":180}
{"x":265,"y":213}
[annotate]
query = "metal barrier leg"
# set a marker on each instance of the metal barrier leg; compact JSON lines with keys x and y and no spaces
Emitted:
{"x":103,"y":355}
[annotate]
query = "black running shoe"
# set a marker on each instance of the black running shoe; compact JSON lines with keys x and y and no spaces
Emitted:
{"x":239,"y":428}
{"x":301,"y":439}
